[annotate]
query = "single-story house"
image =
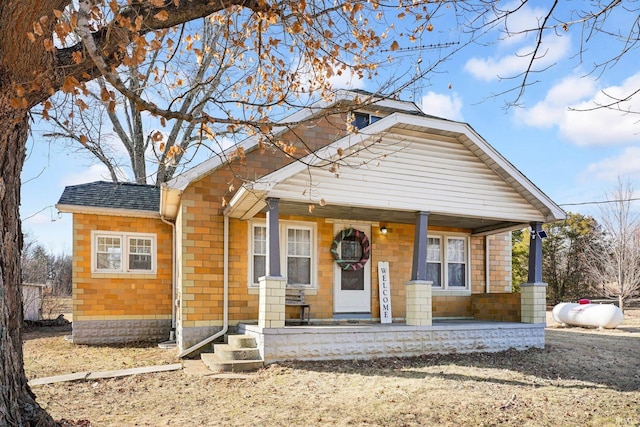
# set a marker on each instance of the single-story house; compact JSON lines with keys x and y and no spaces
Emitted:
{"x":396,"y":226}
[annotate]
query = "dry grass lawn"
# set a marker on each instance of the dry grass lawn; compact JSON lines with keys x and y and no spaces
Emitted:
{"x":582,"y":377}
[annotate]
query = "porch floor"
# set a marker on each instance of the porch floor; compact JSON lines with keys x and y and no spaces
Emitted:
{"x":371,"y":340}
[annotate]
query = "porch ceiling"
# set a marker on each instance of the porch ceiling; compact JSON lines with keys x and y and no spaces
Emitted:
{"x":475,"y":225}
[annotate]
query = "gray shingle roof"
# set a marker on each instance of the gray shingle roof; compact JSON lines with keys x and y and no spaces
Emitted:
{"x":103,"y":194}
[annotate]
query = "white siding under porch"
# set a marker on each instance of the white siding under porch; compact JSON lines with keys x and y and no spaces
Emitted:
{"x":337,"y":342}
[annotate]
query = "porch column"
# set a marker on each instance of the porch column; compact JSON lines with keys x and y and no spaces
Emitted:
{"x":273,"y":238}
{"x":271,"y":311}
{"x":419,"y":266}
{"x":533,"y":297}
{"x":418,"y":289}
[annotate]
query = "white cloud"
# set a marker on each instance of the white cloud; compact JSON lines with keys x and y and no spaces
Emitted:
{"x":97,"y":172}
{"x":582,"y":124}
{"x":627,"y":164}
{"x":517,"y":43}
{"x":442,"y":105}
{"x":509,"y":64}
{"x":339,"y":79}
{"x":346,"y":80}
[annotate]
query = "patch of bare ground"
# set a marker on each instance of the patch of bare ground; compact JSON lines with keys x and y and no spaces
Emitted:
{"x":582,"y":377}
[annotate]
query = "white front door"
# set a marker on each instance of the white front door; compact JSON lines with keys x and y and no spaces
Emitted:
{"x":352,"y":288}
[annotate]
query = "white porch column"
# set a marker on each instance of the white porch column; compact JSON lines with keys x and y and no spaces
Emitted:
{"x":533,"y":297}
{"x":419,"y":311}
{"x":271,"y":311}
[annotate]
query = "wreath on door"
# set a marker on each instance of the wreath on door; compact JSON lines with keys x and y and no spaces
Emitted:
{"x":364,"y":243}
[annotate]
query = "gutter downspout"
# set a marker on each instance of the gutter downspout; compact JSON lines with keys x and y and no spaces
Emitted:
{"x":487,"y":264}
{"x":174,"y":278}
{"x":225,"y":309}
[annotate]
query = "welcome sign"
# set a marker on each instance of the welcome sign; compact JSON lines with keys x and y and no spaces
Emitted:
{"x":384,"y":288}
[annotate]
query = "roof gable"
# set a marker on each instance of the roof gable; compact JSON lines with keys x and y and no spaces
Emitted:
{"x":108,"y":196}
{"x":408,"y":163}
{"x":377,"y":103}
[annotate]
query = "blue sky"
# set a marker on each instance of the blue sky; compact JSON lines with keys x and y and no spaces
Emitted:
{"x":573,"y":156}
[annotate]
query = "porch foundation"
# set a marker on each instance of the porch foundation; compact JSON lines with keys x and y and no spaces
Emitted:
{"x":419,"y":311}
{"x":533,"y":302}
{"x":391,"y":340}
{"x":271,"y":311}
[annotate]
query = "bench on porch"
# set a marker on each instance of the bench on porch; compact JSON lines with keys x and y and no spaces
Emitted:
{"x":294,"y":296}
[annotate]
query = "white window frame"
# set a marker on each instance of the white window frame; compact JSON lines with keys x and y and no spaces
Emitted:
{"x":444,"y":262}
{"x":285,"y":226}
{"x":124,"y":241}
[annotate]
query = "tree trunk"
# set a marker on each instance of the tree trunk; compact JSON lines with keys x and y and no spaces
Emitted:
{"x":18,"y":405}
{"x":621,"y":303}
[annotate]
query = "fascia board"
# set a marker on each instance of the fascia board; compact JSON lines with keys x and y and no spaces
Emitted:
{"x":106,"y":211}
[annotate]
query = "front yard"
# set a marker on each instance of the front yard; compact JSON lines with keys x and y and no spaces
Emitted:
{"x":582,"y":377}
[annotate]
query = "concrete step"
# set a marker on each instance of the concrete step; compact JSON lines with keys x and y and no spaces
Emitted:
{"x":241,"y":341}
{"x":213,"y":361}
{"x":230,"y":352}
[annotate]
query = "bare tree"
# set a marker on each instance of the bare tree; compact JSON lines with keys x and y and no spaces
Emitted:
{"x":34,"y":261}
{"x":114,"y":132}
{"x":616,"y":267}
{"x":61,"y":266}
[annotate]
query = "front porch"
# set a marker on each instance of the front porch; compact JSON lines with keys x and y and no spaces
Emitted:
{"x":327,"y":342}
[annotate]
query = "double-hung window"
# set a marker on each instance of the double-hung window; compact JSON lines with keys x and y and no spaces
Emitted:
{"x":259,"y":252}
{"x":298,"y":256}
{"x":457,"y":262}
{"x":297,"y":242}
{"x":434,"y":261}
{"x":447,"y":260}
{"x":115,"y":252}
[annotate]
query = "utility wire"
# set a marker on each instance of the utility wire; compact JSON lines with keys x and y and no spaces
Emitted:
{"x":600,"y":203}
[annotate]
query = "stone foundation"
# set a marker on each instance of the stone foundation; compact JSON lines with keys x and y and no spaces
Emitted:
{"x":395,"y":340}
{"x":120,"y":331}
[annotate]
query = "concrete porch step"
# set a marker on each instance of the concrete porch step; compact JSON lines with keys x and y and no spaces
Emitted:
{"x":230,"y":352}
{"x":242,"y":341}
{"x":240,"y":354}
{"x":215,"y":363}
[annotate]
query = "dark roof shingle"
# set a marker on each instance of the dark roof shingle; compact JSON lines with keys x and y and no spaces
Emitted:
{"x":112,"y":195}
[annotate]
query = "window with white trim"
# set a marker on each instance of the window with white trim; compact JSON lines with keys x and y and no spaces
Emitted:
{"x":447,"y":260}
{"x":298,"y":256}
{"x":123,"y":252}
{"x":297,"y":252}
{"x":434,"y":261}
{"x":259,"y":252}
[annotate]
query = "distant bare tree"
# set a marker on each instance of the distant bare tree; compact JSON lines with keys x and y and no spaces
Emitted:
{"x":39,"y":266}
{"x":35,"y":262}
{"x":616,"y":269}
{"x":61,"y":267}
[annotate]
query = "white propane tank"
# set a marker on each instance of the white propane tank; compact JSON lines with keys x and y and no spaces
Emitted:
{"x":593,"y":315}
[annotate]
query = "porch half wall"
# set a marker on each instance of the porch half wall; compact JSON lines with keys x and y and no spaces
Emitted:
{"x":392,"y":340}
